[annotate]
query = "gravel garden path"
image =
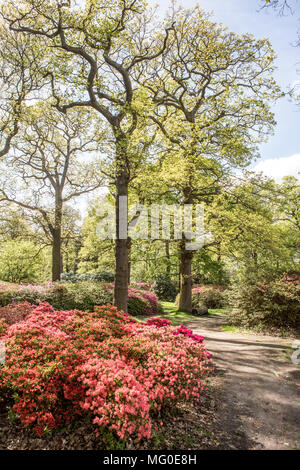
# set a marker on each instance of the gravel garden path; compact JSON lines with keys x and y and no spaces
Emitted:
{"x":259,"y":400}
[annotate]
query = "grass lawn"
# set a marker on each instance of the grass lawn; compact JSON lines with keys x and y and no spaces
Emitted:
{"x":171,"y":313}
{"x":216,"y":312}
{"x":230,"y":328}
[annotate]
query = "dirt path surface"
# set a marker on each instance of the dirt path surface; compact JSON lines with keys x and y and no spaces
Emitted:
{"x":259,"y":405}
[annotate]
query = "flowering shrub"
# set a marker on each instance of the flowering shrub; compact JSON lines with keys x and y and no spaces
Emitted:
{"x":158,"y":322}
{"x":209,"y":296}
{"x":3,"y":327}
{"x":275,"y":304}
{"x":115,"y":397}
{"x":64,"y":365}
{"x":152,"y":301}
{"x":182,"y":330}
{"x":142,"y":302}
{"x":142,"y":285}
{"x":14,"y":313}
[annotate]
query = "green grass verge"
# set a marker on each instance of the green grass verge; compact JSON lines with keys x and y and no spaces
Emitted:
{"x":230,"y":328}
{"x":216,"y":312}
{"x":171,"y":313}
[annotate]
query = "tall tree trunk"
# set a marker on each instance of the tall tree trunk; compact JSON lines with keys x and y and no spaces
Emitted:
{"x":78,"y":246}
{"x":121,"y":244}
{"x":129,"y":244}
{"x":168,"y":268}
{"x":186,"y":280}
{"x":220,"y":274}
{"x":67,"y":262}
{"x":56,"y":234}
{"x":186,"y":257}
{"x":56,"y":255}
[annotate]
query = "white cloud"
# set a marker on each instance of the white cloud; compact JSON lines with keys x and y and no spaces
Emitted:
{"x":278,"y":167}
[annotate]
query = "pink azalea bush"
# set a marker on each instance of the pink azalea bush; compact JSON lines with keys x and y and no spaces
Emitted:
{"x":14,"y":313}
{"x":66,"y":365}
{"x":158,"y":322}
{"x":142,"y":285}
{"x":181,"y":330}
{"x":147,"y":303}
{"x":141,"y":301}
{"x":212,"y":296}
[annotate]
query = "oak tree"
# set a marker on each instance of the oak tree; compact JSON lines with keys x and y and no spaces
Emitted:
{"x":45,"y":169}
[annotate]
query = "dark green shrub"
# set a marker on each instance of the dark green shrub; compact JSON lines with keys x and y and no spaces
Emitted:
{"x":273,"y":305}
{"x":86,"y":295}
{"x":165,"y":288}
{"x":137,"y":306}
{"x":82,"y":295}
{"x":106,"y":276}
{"x":6,"y":297}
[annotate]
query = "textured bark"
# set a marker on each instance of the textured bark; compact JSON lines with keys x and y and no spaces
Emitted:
{"x":121,"y":275}
{"x":168,"y":268}
{"x":186,"y":280}
{"x":66,"y":261}
{"x":186,"y":257}
{"x":56,"y":235}
{"x":78,"y":246}
{"x":129,"y":244}
{"x":121,"y":244}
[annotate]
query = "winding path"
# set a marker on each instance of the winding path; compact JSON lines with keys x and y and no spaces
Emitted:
{"x":259,"y":401}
